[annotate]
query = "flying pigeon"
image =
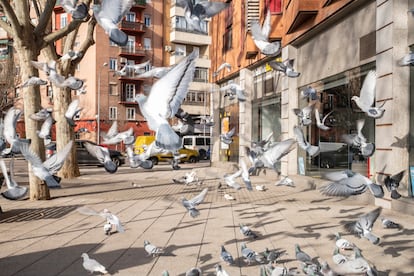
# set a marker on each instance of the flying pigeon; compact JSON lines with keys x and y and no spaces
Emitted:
{"x":45,"y":129}
{"x":166,"y":96}
{"x":363,"y":226}
{"x":305,"y":114}
{"x":41,"y":115}
{"x":220,"y":270}
{"x":188,"y":178}
{"x":367,"y":97}
{"x":347,"y":183}
{"x":192,"y":203}
{"x":137,"y":160}
{"x":62,"y":82}
{"x":109,"y":217}
{"x":342,"y":243}
{"x":234,"y":90}
{"x":81,"y":91}
{"x":227,"y":137}
{"x":78,"y":11}
{"x":194,"y":271}
{"x":131,"y":69}
{"x":321,"y":123}
{"x":260,"y":37}
{"x":359,"y":140}
{"x":355,"y":265}
{"x":301,"y":255}
{"x":245,"y":175}
{"x":43,"y":66}
{"x":103,"y":156}
{"x":71,"y":55}
{"x":305,"y":145}
{"x":118,"y":137}
{"x":13,"y":191}
{"x":225,"y":256}
{"x":9,"y":131}
{"x":55,"y":162}
{"x":221,"y":67}
{"x":310,"y":93}
{"x":152,"y":250}
{"x":247,"y":232}
{"x":387,"y":223}
{"x":230,"y":179}
{"x":72,"y":111}
{"x":285,"y":67}
{"x":91,"y":265}
{"x":32,"y":80}
{"x":407,"y":60}
{"x":392,"y":183}
{"x":195,"y":14}
{"x":108,"y":14}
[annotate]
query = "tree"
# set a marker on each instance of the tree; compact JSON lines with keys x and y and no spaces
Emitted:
{"x":29,"y":24}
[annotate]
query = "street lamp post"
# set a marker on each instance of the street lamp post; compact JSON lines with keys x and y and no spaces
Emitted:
{"x":98,"y":115}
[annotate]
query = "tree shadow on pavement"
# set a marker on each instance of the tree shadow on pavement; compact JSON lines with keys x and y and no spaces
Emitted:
{"x":30,"y":214}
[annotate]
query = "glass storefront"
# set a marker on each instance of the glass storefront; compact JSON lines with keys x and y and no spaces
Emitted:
{"x":266,"y":118}
{"x":334,"y":98}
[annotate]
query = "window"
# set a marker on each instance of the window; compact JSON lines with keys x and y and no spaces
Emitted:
{"x":200,"y":141}
{"x":130,"y":17}
{"x":129,"y":92}
{"x":200,"y":74}
{"x":131,"y":43}
{"x":49,"y":92}
{"x":180,"y":50}
{"x":63,"y":20}
{"x":228,"y":39}
{"x":180,"y":23}
{"x":130,"y":113}
{"x":113,"y":89}
{"x":147,"y":20}
{"x":147,"y":43}
{"x":112,"y":113}
{"x":188,"y":141}
{"x":275,"y":6}
{"x":113,"y":64}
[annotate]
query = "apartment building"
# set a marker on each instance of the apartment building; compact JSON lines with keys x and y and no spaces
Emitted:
{"x":334,"y":45}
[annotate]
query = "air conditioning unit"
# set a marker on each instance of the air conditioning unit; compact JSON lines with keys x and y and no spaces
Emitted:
{"x":168,"y":48}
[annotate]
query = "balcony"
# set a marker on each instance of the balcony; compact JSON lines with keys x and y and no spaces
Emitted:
{"x":140,"y":3}
{"x":185,"y":36}
{"x":298,"y":12}
{"x":133,"y":26}
{"x":130,"y":52}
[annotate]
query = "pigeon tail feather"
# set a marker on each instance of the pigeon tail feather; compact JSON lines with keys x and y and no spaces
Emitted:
{"x":395,"y":194}
{"x":119,"y":37}
{"x":166,"y":138}
{"x":51,"y":182}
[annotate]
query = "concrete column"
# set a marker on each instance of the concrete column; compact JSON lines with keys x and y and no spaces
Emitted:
{"x":245,"y":112}
{"x":392,"y":88}
{"x":215,"y":135}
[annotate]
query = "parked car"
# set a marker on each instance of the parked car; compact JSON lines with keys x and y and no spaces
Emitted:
{"x":333,"y":156}
{"x":85,"y":158}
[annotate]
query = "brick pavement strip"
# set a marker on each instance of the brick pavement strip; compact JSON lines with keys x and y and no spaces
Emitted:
{"x":48,"y":237}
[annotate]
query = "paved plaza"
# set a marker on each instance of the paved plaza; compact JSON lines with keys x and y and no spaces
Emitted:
{"x":48,"y":237}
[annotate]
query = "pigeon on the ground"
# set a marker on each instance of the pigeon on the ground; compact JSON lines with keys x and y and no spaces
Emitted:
{"x":165,"y":273}
{"x":188,"y":178}
{"x":321,"y":123}
{"x":166,"y":96}
{"x":72,"y":111}
{"x":392,"y":183}
{"x":220,"y":270}
{"x":342,"y":243}
{"x":304,"y":114}
{"x":366,"y":97}
{"x":326,"y":270}
{"x":348,"y":183}
{"x":248,"y":254}
{"x":272,"y":255}
{"x":339,"y":258}
{"x":305,"y":145}
{"x":387,"y":223}
{"x":152,"y":250}
{"x":103,"y":156}
{"x":109,"y":217}
{"x":225,"y":256}
{"x":195,"y":13}
{"x":359,"y":140}
{"x":13,"y":191}
{"x":407,"y":60}
{"x":285,"y":67}
{"x":229,"y":197}
{"x":261,"y":188}
{"x":91,"y":265}
{"x":79,"y":11}
{"x":108,"y":14}
{"x":221,"y":67}
{"x":355,"y":265}
{"x":363,"y":226}
{"x":194,"y":271}
{"x":227,"y":137}
{"x":233,"y":90}
{"x":301,"y":255}
{"x":310,"y":93}
{"x":32,"y":80}
{"x":285,"y":181}
{"x":247,"y":232}
{"x":260,"y":37}
{"x":192,"y":203}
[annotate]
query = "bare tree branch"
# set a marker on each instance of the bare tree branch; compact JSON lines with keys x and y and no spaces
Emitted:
{"x":15,"y":27}
{"x":4,"y":25}
{"x":45,"y":17}
{"x":89,"y":41}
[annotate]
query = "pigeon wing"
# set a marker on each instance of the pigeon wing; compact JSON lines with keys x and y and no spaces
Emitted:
{"x":206,"y":9}
{"x":95,"y":151}
{"x":199,"y":198}
{"x":55,"y":162}
{"x":368,"y":220}
{"x":266,"y":25}
{"x":168,"y":93}
{"x":30,"y":155}
{"x":300,"y":137}
{"x":398,"y":177}
{"x":256,"y":31}
{"x":115,"y":10}
{"x":367,"y":93}
{"x":113,"y":130}
{"x":277,"y":151}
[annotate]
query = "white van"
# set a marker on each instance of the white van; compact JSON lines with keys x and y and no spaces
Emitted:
{"x":199,"y":143}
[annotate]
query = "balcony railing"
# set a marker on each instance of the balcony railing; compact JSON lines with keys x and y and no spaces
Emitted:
{"x":133,"y":26}
{"x":140,"y":2}
{"x":187,"y":30}
{"x":127,"y":50}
